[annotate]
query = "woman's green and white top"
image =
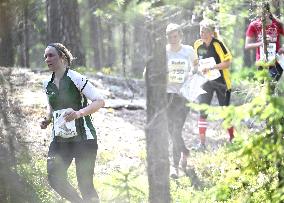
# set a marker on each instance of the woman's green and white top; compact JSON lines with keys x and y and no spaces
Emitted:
{"x":74,"y":92}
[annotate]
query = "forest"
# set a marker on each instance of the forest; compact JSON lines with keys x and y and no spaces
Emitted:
{"x":113,"y":42}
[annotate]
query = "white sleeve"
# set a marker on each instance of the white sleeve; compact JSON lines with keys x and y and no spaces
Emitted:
{"x":91,"y":92}
{"x":84,"y":86}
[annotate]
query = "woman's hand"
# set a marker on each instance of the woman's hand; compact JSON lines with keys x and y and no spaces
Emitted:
{"x":205,"y":70}
{"x":44,"y":123}
{"x":259,"y":44}
{"x":71,"y":115}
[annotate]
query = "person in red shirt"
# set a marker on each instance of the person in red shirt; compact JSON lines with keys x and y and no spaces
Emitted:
{"x":254,"y":40}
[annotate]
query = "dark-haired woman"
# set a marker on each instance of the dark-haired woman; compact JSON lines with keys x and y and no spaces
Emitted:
{"x":74,"y":136}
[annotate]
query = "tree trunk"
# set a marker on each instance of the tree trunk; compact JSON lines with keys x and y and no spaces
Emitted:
{"x":98,"y":43}
{"x":139,"y":47}
{"x":6,"y":41}
{"x":191,"y":29}
{"x":96,"y":34}
{"x":24,"y":36}
{"x":124,"y":47}
{"x":156,"y":129}
{"x":191,"y":34}
{"x":110,"y":58}
{"x":63,"y":26}
{"x":13,"y":188}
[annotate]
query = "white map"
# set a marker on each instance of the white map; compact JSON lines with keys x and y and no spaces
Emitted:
{"x":208,"y":63}
{"x":61,"y":127}
{"x":191,"y":89}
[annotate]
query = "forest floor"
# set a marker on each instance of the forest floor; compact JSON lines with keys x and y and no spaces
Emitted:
{"x":120,"y":131}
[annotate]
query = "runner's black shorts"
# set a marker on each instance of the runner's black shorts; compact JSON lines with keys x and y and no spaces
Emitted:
{"x":222,"y":93}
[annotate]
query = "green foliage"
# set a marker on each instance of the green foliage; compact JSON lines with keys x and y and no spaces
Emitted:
{"x":245,"y":75}
{"x":124,"y":185}
{"x":181,"y":190}
{"x":251,"y":169}
{"x":135,"y":10}
{"x":127,"y":185}
{"x":34,"y":173}
{"x":107,"y":70}
{"x":104,"y":157}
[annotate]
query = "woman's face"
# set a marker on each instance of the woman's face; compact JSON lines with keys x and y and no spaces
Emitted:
{"x":174,"y":37}
{"x":206,"y":35}
{"x":52,"y":59}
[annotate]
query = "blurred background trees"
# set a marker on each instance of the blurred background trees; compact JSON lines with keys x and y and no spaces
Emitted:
{"x":63,"y":25}
{"x":111,"y":34}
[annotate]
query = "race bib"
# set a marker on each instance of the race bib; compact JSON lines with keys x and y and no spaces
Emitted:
{"x":208,"y":63}
{"x":177,"y":70}
{"x":271,"y":51}
{"x":61,"y":127}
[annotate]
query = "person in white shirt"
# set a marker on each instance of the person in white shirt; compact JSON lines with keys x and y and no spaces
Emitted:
{"x":180,"y":60}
